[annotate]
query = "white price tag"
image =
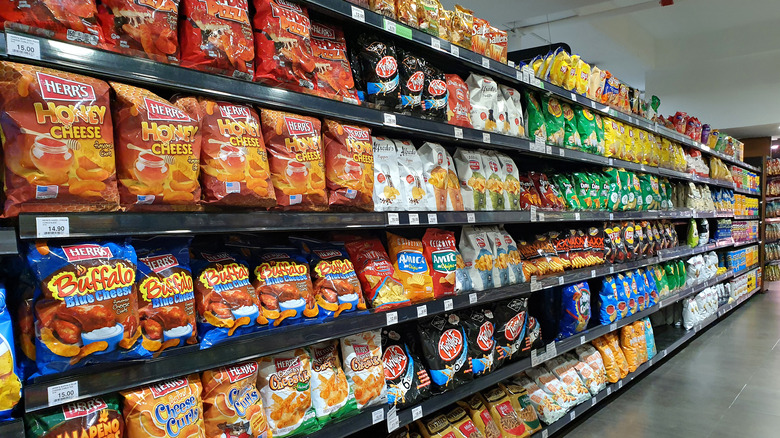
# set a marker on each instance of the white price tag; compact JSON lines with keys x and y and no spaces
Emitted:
{"x":436,"y":43}
{"x":552,"y":350}
{"x":48,"y":227}
{"x":527,"y":77}
{"x":582,"y":340}
{"x":611,"y":269}
{"x":611,"y":216}
{"x":545,"y":434}
{"x":593,"y":401}
{"x":576,"y":216}
{"x":389,"y":26}
{"x":472,"y":298}
{"x":422,"y":311}
{"x":485,"y":137}
{"x":458,"y":133}
{"x":23,"y":47}
{"x":519,"y":75}
{"x":63,"y":393}
{"x":392,"y":421}
{"x":392,"y":219}
{"x":593,"y":104}
{"x":572,"y":415}
{"x":664,"y":352}
{"x":448,"y":304}
{"x":390,"y":119}
{"x":535,"y":285}
{"x":642,"y":167}
{"x":540,"y":217}
{"x":611,"y":161}
{"x":574,"y":97}
{"x":414,"y":219}
{"x":562,"y":152}
{"x":433,"y":219}
{"x":454,"y":50}
{"x":536,"y":358}
{"x":392,"y":318}
{"x":650,"y":362}
{"x":613,"y":327}
{"x":485,"y":62}
{"x":620,"y":384}
{"x":548,"y":149}
{"x":471,"y":218}
{"x":609,"y":390}
{"x":592,"y":273}
{"x":377,"y":416}
{"x":416,"y":413}
{"x":359,"y":15}
{"x":510,"y":63}
{"x":538,"y":144}
{"x":536,"y":82}
{"x":560,"y":281}
{"x":533,"y":213}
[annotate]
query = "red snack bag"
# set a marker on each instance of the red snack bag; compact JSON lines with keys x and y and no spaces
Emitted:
{"x":377,"y":276}
{"x":295,"y":160}
{"x":458,"y":103}
{"x":349,"y":155}
{"x":562,"y":245}
{"x":284,"y":55}
{"x":141,"y":28}
{"x":480,"y":36}
{"x":158,"y":149}
{"x":66,"y":20}
{"x":233,"y":159}
{"x":440,"y":249}
{"x":215,"y":36}
{"x":333,"y":72}
{"x":547,"y":195}
{"x":529,"y":195}
{"x":497,"y":44}
{"x":58,"y":141}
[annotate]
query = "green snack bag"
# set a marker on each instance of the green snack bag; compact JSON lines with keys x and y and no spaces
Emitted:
{"x":595,"y":191}
{"x":571,"y":136}
{"x":586,"y":125}
{"x":604,"y":194}
{"x":627,"y":196}
{"x":567,"y":191}
{"x":581,"y":184}
{"x":613,"y":178}
{"x":646,"y":186}
{"x":553,"y":118}
{"x":534,"y":117}
{"x":636,"y":187}
{"x":84,"y":418}
{"x":602,"y":150}
{"x":693,"y":234}
{"x":682,"y":274}
{"x":655,"y":186}
{"x":670,"y":269}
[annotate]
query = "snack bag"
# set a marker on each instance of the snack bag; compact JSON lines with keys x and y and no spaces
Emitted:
{"x":630,"y":347}
{"x":542,"y":254}
{"x":148,"y":31}
{"x":231,"y":402}
{"x":548,"y":195}
{"x":408,"y":382}
{"x":570,"y":380}
{"x":609,"y":301}
{"x":478,"y":259}
{"x":458,"y":102}
{"x":284,"y":383}
{"x":445,"y":351}
{"x":295,"y":160}
{"x":480,"y":415}
{"x":462,"y":424}
{"x":500,"y":248}
{"x":575,"y":309}
{"x":497,"y":44}
{"x":381,"y":287}
{"x":417,"y":196}
{"x":483,"y":95}
{"x":571,"y":136}
{"x":471,"y":173}
{"x":282,"y":33}
{"x":528,"y":194}
{"x":513,"y":100}
{"x":639,"y":340}
{"x":436,"y":173}
{"x":428,"y":12}
{"x":480,"y":327}
{"x":58,"y":142}
{"x":406,"y":12}
{"x":364,"y":368}
{"x":331,"y":394}
{"x":454,"y":198}
{"x":586,"y":125}
{"x":171,"y":408}
{"x":649,"y":338}
{"x":511,"y":181}
{"x":85,"y":304}
{"x":496,"y":195}
{"x":546,"y":405}
{"x":434,"y":96}
{"x":10,"y":383}
{"x":479,"y":36}
{"x":554,"y":120}
{"x":510,"y":327}
{"x":503,"y":413}
{"x":462,"y":27}
{"x":436,"y":427}
{"x":233,"y":159}
{"x":411,"y":82}
{"x":283,"y":284}
{"x":332,"y":72}
{"x":59,"y":19}
{"x":521,"y":403}
{"x":568,"y":191}
{"x":387,"y":193}
{"x":379,"y":65}
{"x":445,"y":261}
{"x":166,"y":298}
{"x":411,"y":266}
{"x":614,"y":361}
{"x":534,"y":117}
{"x":349,"y":172}
{"x":80,"y":418}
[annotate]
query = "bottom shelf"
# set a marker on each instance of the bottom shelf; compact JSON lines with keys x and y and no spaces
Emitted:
{"x":12,"y":429}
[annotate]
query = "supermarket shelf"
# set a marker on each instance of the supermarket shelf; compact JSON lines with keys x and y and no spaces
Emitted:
{"x":772,"y":219}
{"x":767,"y":242}
{"x":667,"y":342}
{"x":742,"y":272}
{"x":347,"y":426}
{"x":737,"y":217}
{"x":746,"y":191}
{"x":12,"y":429}
{"x":772,"y":198}
{"x":746,"y":242}
{"x":772,"y":262}
{"x":8,"y":242}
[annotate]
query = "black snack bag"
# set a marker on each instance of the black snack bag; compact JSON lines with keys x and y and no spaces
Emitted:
{"x":357,"y":74}
{"x":379,"y":67}
{"x":639,"y":239}
{"x":480,"y":328}
{"x":407,"y":380}
{"x":614,"y":236}
{"x":533,"y":337}
{"x":434,"y":97}
{"x":660,"y":237}
{"x":649,"y":239}
{"x":629,"y":240}
{"x":411,"y":81}
{"x":445,"y":351}
{"x":511,"y":318}
{"x":595,"y":241}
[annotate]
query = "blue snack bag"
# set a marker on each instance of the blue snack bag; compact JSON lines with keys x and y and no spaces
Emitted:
{"x":649,"y":338}
{"x":86,"y":304}
{"x":608,"y":301}
{"x":623,"y":291}
{"x":283,"y":283}
{"x":575,"y":309}
{"x":649,"y":284}
{"x":10,"y":384}
{"x":629,"y":285}
{"x":640,"y":289}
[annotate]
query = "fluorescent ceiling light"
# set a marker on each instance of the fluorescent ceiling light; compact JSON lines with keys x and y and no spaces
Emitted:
{"x":775,"y":146}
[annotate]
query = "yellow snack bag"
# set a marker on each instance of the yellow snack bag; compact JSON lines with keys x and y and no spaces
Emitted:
{"x":231,"y":402}
{"x":612,"y":138}
{"x":642,"y":146}
{"x":664,"y":154}
{"x":503,"y":413}
{"x":480,"y":415}
{"x":462,"y":425}
{"x":596,"y":83}
{"x":640,"y":341}
{"x":560,"y":67}
{"x":167,"y":409}
{"x":544,"y":72}
{"x":630,"y":350}
{"x":462,"y":27}
{"x":583,"y":77}
{"x":521,"y":402}
{"x":436,"y":427}
{"x":411,"y":267}
{"x":570,"y":82}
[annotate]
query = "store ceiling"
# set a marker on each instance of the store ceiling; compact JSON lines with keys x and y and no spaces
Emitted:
{"x":716,"y":59}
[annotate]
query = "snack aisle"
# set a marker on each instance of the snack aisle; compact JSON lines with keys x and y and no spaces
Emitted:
{"x":573,"y":247}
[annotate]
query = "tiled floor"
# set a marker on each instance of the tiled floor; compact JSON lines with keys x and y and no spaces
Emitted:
{"x":725,"y":383}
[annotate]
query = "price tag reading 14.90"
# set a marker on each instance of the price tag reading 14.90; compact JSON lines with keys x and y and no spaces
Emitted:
{"x":50,"y":227}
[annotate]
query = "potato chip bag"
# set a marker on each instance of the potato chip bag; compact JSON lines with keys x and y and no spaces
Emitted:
{"x":478,"y":259}
{"x":58,"y":142}
{"x":436,"y":161}
{"x":296,"y":160}
{"x":480,"y":326}
{"x":233,"y":159}
{"x":408,"y":382}
{"x":232,"y":406}
{"x":471,"y":173}
{"x":283,"y":284}
{"x":227,"y":302}
{"x":534,"y":117}
{"x":596,"y":83}
{"x":381,"y":286}
{"x":445,"y":351}
{"x":458,"y":102}
{"x":586,"y":126}
{"x":462,"y":27}
{"x":406,"y":12}
{"x":85,"y":303}
{"x":494,"y":173}
{"x":514,"y":110}
{"x":91,"y":417}
{"x":630,"y":347}
{"x":503,"y":413}
{"x":66,"y":20}
{"x":582,"y":76}
{"x":332,"y":70}
{"x":639,"y":340}
{"x":379,"y":65}
{"x":282,"y":45}
{"x":575,"y":310}
{"x":480,"y":416}
{"x":601,"y":147}
{"x":331,"y":395}
{"x":144,"y":30}
{"x":170,"y":408}
{"x":166,"y":298}
{"x":445,"y":261}
{"x":500,"y":248}
{"x":436,"y":427}
{"x":364,"y":368}
{"x":571,"y":135}
{"x":349,"y":171}
{"x":559,"y":71}
{"x":416,"y":194}
{"x":387,"y":193}
{"x":512,"y":187}
{"x":428,"y":12}
{"x":411,"y":267}
{"x":554,"y":120}
{"x":10,"y":383}
{"x":284,"y":381}
{"x":454,"y":198}
{"x":483,"y":95}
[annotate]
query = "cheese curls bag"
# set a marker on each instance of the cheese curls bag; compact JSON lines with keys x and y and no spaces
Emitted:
{"x":381,"y":287}
{"x":331,"y":395}
{"x":295,"y":160}
{"x":282,"y":44}
{"x":158,"y":149}
{"x":226,"y":300}
{"x":66,"y":20}
{"x":10,"y":383}
{"x":480,"y":416}
{"x":168,"y":409}
{"x":445,"y":261}
{"x":90,"y":417}
{"x":364,"y":368}
{"x":142,"y":29}
{"x":334,"y":75}
{"x":411,"y":267}
{"x":231,"y":402}
{"x":349,"y":170}
{"x":436,"y":427}
{"x":233,"y":159}
{"x":58,"y":141}
{"x":283,"y":284}
{"x":284,"y":381}
{"x":85,"y":303}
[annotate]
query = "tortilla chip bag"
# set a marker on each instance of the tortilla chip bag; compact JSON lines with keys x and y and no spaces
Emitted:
{"x":295,"y":159}
{"x":90,"y":417}
{"x":168,"y":409}
{"x":349,"y":169}
{"x":331,"y":394}
{"x":411,"y":266}
{"x":364,"y":368}
{"x":231,"y":402}
{"x":284,"y":381}
{"x":381,"y":286}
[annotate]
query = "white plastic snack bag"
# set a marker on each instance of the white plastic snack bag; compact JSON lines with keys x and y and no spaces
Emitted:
{"x":472,"y":179}
{"x":284,"y":381}
{"x":388,"y":194}
{"x":494,"y":174}
{"x":514,"y":110}
{"x":501,"y":269}
{"x":516,"y":265}
{"x":454,"y":197}
{"x":417,"y":196}
{"x":478,"y":259}
{"x":330,"y":392}
{"x":483,"y":95}
{"x":548,"y":382}
{"x":588,"y":354}
{"x":435,"y":173}
{"x":589,"y":377}
{"x":511,"y":181}
{"x":364,"y":368}
{"x":571,"y":380}
{"x":547,"y":408}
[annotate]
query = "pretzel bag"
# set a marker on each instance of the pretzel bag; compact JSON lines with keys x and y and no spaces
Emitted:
{"x":231,"y":402}
{"x":168,"y":409}
{"x":284,"y":380}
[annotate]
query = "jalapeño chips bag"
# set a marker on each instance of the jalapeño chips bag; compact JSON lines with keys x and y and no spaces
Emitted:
{"x":445,"y":350}
{"x":284,"y":380}
{"x":408,"y":381}
{"x":331,"y":395}
{"x":82,"y":418}
{"x":362,"y":355}
{"x":168,"y":409}
{"x":231,"y":402}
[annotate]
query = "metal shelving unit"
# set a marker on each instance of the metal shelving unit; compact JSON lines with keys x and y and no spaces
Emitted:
{"x":12,"y":429}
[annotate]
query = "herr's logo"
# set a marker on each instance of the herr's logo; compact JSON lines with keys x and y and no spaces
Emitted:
{"x":56,"y":88}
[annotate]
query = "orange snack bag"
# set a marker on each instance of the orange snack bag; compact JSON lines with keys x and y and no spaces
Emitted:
{"x":333,"y":73}
{"x":66,"y":20}
{"x":295,"y":159}
{"x":158,"y":149}
{"x":233,"y":159}
{"x":497,"y":44}
{"x":58,"y":142}
{"x":168,"y":409}
{"x":411,"y":267}
{"x":462,"y":28}
{"x":442,"y":254}
{"x":480,"y":36}
{"x":349,"y":155}
{"x":231,"y":402}
{"x":141,"y":28}
{"x":381,"y":287}
{"x":406,"y":12}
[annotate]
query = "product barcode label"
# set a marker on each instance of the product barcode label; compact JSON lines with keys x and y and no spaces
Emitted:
{"x":359,"y":15}
{"x":472,"y":298}
{"x":454,"y":50}
{"x":50,"y":227}
{"x":22,"y":46}
{"x":448,"y":304}
{"x":63,"y":393}
{"x":433,"y":219}
{"x":392,"y":318}
{"x":392,"y":420}
{"x":414,"y":219}
{"x":485,"y":62}
{"x":613,"y":327}
{"x":389,"y":26}
{"x":485,"y":137}
{"x":471,"y":218}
